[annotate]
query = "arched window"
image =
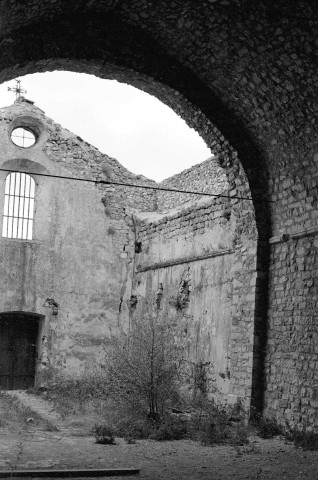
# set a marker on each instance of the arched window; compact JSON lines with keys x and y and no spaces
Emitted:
{"x":18,"y":206}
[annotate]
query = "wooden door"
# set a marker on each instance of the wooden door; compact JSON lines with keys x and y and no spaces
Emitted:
{"x":18,"y":335}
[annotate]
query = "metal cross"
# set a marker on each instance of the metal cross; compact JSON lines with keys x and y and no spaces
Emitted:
{"x":17,"y":89}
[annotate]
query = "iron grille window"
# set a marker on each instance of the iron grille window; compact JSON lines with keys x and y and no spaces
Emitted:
{"x":18,"y":206}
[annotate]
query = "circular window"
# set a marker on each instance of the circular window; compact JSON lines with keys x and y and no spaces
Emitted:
{"x":23,"y":137}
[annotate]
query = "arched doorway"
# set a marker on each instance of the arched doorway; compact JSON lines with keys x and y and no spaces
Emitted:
{"x":18,"y":349}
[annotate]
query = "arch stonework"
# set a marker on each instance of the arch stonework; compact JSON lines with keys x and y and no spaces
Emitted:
{"x":243,"y":75}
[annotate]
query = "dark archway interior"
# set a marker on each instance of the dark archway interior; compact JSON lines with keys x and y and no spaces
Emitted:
{"x":18,"y":341}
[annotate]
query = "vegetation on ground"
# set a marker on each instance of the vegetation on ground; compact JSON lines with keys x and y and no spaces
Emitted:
{"x":17,"y":418}
{"x":144,"y":370}
{"x":303,"y":439}
{"x":104,"y":435}
{"x":266,"y":427}
{"x":77,"y":396}
{"x":136,"y":394}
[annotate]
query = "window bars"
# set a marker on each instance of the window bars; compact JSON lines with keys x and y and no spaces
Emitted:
{"x":18,"y":206}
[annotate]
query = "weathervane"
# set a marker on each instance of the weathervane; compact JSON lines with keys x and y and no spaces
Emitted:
{"x":17,"y":89}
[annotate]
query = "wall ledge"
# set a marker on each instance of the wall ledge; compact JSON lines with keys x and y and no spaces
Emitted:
{"x":293,"y":235}
{"x":180,"y":261}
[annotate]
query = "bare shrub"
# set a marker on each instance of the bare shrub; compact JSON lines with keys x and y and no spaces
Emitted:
{"x":133,"y":426}
{"x":213,"y":424}
{"x":104,"y":435}
{"x":143,"y":369}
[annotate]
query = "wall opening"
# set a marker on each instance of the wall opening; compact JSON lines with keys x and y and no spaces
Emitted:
{"x":19,"y":333}
{"x":18,"y":206}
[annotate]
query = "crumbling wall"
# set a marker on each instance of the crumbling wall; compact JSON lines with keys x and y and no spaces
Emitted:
{"x":81,"y":256}
{"x":201,"y":260}
{"x":98,"y":254}
{"x":258,"y":90}
{"x":206,"y":177}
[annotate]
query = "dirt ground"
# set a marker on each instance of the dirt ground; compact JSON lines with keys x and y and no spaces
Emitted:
{"x":175,"y":460}
{"x":36,"y":447}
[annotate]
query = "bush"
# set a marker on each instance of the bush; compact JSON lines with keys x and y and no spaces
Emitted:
{"x":138,"y":385}
{"x":213,"y":425}
{"x":266,"y":427}
{"x":104,"y":435}
{"x":133,"y":427}
{"x":142,"y":372}
{"x":171,"y":428}
{"x":303,"y":439}
{"x":210,"y":427}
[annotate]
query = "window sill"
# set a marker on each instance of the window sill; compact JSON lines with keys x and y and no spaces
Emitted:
{"x":12,"y":241}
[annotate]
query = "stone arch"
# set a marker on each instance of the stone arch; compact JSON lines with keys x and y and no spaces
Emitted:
{"x":24,"y":165}
{"x":110,"y":48}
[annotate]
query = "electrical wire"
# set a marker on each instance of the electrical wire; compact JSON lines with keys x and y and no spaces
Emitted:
{"x":131,"y":185}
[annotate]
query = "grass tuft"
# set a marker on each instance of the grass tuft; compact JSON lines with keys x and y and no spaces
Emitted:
{"x":104,"y":435}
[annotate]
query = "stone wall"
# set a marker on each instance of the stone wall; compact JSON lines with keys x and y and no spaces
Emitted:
{"x":207,"y":177}
{"x":206,"y":248}
{"x":82,"y":250}
{"x":292,"y":331}
{"x":97,"y":245}
{"x":203,"y":261}
{"x":292,"y":354}
{"x":244,"y":75}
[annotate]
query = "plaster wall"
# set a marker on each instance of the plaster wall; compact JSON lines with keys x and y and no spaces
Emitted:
{"x":204,"y":267}
{"x":97,"y":245}
{"x":77,"y":256}
{"x":244,"y":74}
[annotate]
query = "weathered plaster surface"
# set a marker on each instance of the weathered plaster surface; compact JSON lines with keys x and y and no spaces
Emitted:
{"x":244,"y":74}
{"x":203,"y":262}
{"x":77,"y":255}
{"x":96,"y":246}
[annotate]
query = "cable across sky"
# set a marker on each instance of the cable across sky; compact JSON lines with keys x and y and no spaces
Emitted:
{"x":130,"y":185}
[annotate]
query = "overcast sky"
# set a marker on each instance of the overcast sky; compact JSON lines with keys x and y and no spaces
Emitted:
{"x":138,"y":130}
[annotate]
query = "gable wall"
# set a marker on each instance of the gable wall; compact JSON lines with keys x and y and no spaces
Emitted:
{"x":81,"y":252}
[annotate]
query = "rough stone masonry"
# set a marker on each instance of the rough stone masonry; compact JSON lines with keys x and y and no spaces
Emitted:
{"x":244,"y":75}
{"x":96,"y":247}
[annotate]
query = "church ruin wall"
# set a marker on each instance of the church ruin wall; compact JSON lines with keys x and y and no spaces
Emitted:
{"x":76,"y":271}
{"x":204,"y":263}
{"x":205,"y":177}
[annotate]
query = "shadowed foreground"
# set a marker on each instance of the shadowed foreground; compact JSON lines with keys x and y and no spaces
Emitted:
{"x":183,"y":459}
{"x":32,"y":438}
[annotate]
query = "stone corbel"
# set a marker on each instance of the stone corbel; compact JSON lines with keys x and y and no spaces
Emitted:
{"x":50,"y":303}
